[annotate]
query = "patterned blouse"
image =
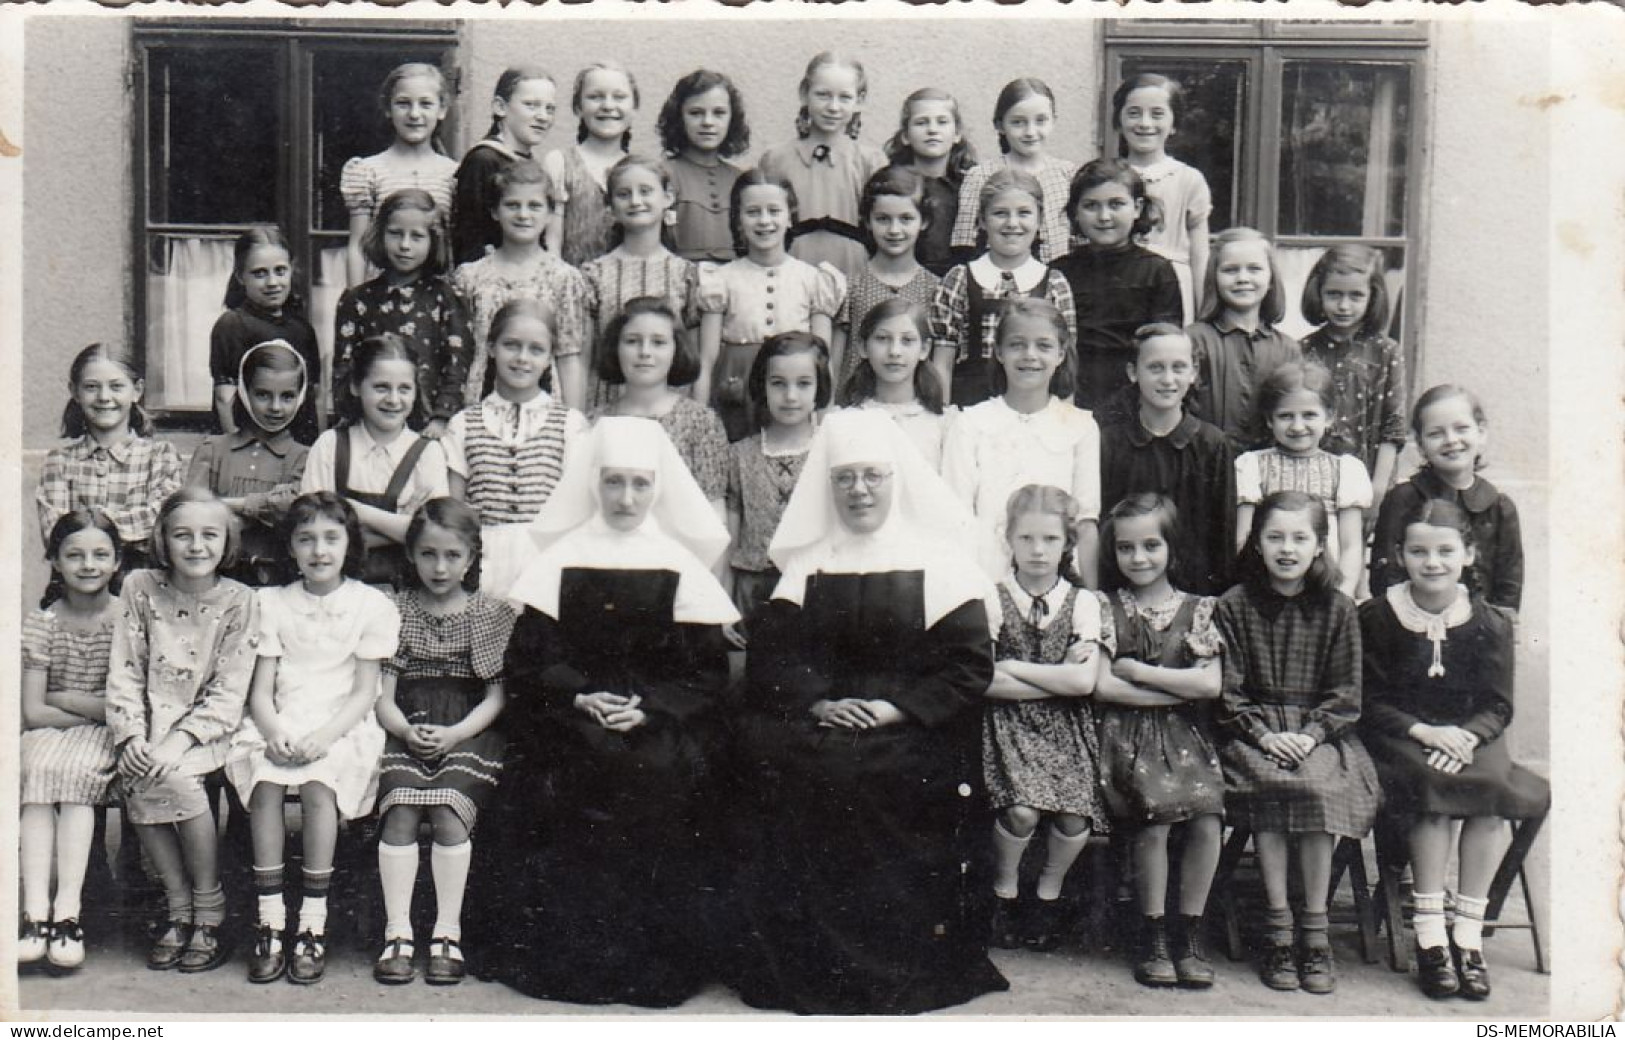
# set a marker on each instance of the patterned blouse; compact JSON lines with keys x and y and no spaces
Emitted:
{"x":865,"y":292}
{"x":467,"y":644}
{"x":366,"y":181}
{"x":1368,"y":374}
{"x":182,"y":662}
{"x":1054,"y":177}
{"x":72,"y":658}
{"x":1201,"y":642}
{"x":1339,"y":481}
{"x":486,"y":284}
{"x":951,"y":306}
{"x":127,"y":482}
{"x":759,"y":486}
{"x":1301,"y":650}
{"x":700,"y":440}
{"x":428,"y":315}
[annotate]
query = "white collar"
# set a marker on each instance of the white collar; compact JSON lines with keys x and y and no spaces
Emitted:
{"x":1435,"y":626}
{"x":1027,"y":276}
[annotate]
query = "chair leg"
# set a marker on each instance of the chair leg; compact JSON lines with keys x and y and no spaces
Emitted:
{"x":1511,"y":867}
{"x":1229,"y":856}
{"x":1390,"y":869}
{"x":1364,"y":908}
{"x":1534,"y":924}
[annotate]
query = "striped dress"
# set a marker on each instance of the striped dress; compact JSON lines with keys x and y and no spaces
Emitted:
{"x":511,"y":455}
{"x":74,"y":765}
{"x":442,"y":666}
{"x":366,"y":181}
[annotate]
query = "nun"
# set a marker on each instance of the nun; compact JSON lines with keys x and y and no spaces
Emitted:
{"x":860,"y":740}
{"x":614,"y":671}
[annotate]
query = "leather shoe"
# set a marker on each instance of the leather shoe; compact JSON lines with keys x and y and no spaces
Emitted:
{"x":1435,"y":972}
{"x":309,"y":961}
{"x":445,"y":962}
{"x":1279,"y":969}
{"x":394,"y":965}
{"x":268,"y":960}
{"x":1315,"y":970}
{"x":205,"y":951}
{"x":1474,"y":973}
{"x":171,"y":943}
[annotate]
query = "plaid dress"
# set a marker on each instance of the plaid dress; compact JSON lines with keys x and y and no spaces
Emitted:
{"x":442,"y":666}
{"x":1292,"y":665}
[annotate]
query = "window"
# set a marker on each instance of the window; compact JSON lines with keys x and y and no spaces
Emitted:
{"x":1308,"y":131}
{"x":241,"y":123}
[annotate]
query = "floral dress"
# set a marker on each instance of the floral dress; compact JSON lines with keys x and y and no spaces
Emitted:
{"x":425,"y":313}
{"x":1043,"y":754}
{"x":486,"y":284}
{"x":1158,"y":765}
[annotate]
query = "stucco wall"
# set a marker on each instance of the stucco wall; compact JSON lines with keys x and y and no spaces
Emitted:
{"x":1485,"y":286}
{"x":76,"y":221}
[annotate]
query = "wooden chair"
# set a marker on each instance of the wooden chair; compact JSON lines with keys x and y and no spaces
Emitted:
{"x":1347,"y":857}
{"x":1393,"y":855}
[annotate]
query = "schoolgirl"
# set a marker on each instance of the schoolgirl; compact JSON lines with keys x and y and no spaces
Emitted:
{"x":1024,"y":117}
{"x":894,"y":375}
{"x":930,"y":140}
{"x":113,"y":464}
{"x":893,"y":213}
{"x":702,"y":126}
{"x":522,"y":108}
{"x":604,"y":99}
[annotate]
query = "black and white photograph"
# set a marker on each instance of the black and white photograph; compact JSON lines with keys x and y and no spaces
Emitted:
{"x":703,"y":511}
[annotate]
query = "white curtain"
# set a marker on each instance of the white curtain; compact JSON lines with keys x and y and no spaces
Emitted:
{"x":1295,"y":265}
{"x":325,"y":289}
{"x":182,"y":308}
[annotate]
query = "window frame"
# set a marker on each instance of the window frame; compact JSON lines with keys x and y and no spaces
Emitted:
{"x":1266,"y":47}
{"x":294,"y":43}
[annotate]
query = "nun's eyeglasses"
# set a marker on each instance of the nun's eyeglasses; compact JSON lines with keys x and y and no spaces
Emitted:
{"x":847,"y":479}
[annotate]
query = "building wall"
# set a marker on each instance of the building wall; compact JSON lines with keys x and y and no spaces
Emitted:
{"x":1483,"y":299}
{"x":1485,"y":287}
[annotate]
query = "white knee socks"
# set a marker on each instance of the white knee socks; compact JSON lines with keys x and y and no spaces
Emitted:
{"x":397,"y":874}
{"x":1007,"y":852}
{"x":449,"y":865}
{"x":1061,"y":851}
{"x":1429,"y":919}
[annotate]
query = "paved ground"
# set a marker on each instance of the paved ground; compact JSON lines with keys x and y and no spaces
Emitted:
{"x":1069,"y":981}
{"x":1084,"y":977}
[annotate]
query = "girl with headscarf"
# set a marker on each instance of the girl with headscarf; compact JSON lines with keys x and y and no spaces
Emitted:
{"x":866,"y":671}
{"x":613,"y":671}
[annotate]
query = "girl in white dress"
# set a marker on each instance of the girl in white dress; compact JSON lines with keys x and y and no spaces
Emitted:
{"x":310,"y":722}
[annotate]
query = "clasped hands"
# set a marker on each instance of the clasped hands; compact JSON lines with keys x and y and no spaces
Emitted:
{"x":856,"y":713}
{"x":1288,"y":750}
{"x":1450,"y":748}
{"x":612,"y":710}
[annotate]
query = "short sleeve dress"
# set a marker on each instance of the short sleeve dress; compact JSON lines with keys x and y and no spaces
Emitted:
{"x":757,"y":302}
{"x":367,"y":180}
{"x":828,"y":180}
{"x":1186,"y":202}
{"x":864,"y":293}
{"x":441,"y":669}
{"x":485,"y":285}
{"x":76,"y":765}
{"x":1339,"y":481}
{"x":317,"y":641}
{"x":1043,"y":754}
{"x":1158,"y":765}
{"x":613,"y":281}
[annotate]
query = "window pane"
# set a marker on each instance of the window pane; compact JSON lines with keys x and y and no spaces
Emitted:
{"x":1210,"y":129}
{"x":1344,"y":133}
{"x":186,"y":280}
{"x":348,"y":119}
{"x":215,"y":128}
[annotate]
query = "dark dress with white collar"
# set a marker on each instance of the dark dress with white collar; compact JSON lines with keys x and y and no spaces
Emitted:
{"x":865,"y":894}
{"x":599,"y":859}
